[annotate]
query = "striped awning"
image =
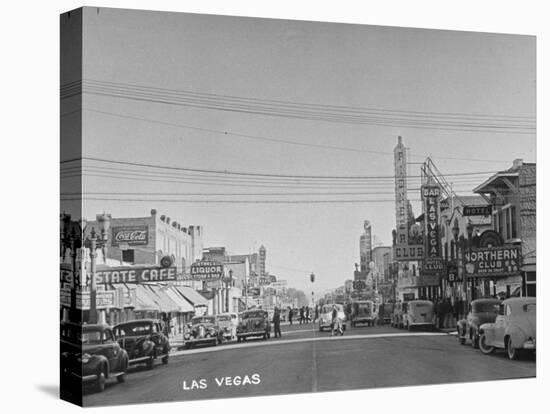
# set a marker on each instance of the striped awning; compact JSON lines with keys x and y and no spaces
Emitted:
{"x":160,"y":297}
{"x":191,"y":295}
{"x":144,"y":300}
{"x":184,"y":305}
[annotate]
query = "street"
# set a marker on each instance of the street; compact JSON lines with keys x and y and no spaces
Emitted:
{"x":305,"y":360}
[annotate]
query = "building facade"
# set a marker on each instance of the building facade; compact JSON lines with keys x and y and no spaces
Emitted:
{"x":365,"y":247}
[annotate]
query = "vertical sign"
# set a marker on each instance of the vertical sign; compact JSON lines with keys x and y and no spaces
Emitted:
{"x":430,"y":198}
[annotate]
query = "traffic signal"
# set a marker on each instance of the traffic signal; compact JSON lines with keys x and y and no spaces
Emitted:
{"x":312,"y":277}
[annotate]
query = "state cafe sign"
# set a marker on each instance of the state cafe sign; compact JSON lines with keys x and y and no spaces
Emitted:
{"x":135,"y":275}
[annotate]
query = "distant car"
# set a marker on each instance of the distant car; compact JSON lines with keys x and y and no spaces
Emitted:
{"x":202,"y":330}
{"x":90,"y":353}
{"x":253,"y":323}
{"x":514,"y":328}
{"x":144,"y":341}
{"x":227,"y":322}
{"x":480,"y":311}
{"x":399,"y":311}
{"x":363,"y":312}
{"x":385,"y":313}
{"x":419,"y":314}
{"x":325,"y":316}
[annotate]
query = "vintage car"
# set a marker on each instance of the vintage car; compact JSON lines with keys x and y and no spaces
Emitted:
{"x":480,"y":311}
{"x":325,"y":316}
{"x":419,"y":314}
{"x":203,"y":330}
{"x":363,"y":311}
{"x":144,"y":341}
{"x":253,"y":323}
{"x":385,"y":313}
{"x":514,"y":328}
{"x":399,"y":311}
{"x":227,"y":322}
{"x":90,"y":354}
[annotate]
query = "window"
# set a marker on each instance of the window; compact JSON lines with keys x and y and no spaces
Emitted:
{"x":128,"y":256}
{"x":501,"y":218}
{"x":513,"y":220}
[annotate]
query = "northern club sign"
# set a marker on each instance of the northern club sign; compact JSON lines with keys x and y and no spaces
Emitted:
{"x":493,"y":261}
{"x":206,"y":270}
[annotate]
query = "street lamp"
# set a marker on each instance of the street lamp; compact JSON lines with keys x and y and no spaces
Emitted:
{"x":228,"y":285}
{"x":312,"y":279}
{"x":97,"y":242}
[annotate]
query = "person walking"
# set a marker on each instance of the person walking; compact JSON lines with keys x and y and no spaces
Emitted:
{"x":301,"y":315}
{"x":336,"y":323}
{"x":316,"y":315}
{"x":277,"y":322}
{"x":307,"y":315}
{"x":290,"y":314}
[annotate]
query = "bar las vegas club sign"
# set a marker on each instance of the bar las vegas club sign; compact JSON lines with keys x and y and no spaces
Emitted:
{"x":430,"y":199}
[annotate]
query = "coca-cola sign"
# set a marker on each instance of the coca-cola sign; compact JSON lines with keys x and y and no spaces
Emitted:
{"x":130,"y":235}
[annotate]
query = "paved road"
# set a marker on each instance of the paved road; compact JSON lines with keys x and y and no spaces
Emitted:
{"x":305,"y":360}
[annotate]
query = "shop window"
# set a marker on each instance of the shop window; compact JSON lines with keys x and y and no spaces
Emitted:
{"x":128,"y":256}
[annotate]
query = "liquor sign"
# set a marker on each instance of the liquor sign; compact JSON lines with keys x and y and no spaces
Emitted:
{"x":104,"y":299}
{"x":206,"y":270}
{"x":130,"y":236}
{"x":430,"y":198}
{"x":477,"y":210}
{"x":493,"y":261}
{"x":135,"y":275}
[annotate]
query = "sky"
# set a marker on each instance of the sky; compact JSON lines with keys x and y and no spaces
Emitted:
{"x":463,"y":76}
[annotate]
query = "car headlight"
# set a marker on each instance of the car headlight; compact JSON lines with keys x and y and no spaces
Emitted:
{"x":144,"y":345}
{"x":86,"y":358}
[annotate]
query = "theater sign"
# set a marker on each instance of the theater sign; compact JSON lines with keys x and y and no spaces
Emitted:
{"x":493,"y":261}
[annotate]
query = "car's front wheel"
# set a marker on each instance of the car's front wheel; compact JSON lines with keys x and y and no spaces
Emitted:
{"x":100,"y":381}
{"x":484,"y":347}
{"x":513,"y":353}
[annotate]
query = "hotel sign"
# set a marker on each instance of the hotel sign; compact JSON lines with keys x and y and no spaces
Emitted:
{"x":206,"y":270}
{"x":130,"y":235}
{"x":493,"y":261}
{"x":477,"y":210}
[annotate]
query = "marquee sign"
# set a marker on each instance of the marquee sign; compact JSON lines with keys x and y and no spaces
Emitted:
{"x":430,"y":198}
{"x":493,"y":261}
{"x":433,"y":266}
{"x":206,"y":270}
{"x":130,"y":235}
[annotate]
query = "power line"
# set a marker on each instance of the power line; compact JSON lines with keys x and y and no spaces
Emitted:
{"x":234,"y":201}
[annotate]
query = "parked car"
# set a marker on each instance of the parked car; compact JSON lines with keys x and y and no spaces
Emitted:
{"x":419,"y":314}
{"x":227,"y":322}
{"x":202,"y":330}
{"x":325,"y":316}
{"x":91,"y":354}
{"x":253,"y":323}
{"x":480,"y":311}
{"x":385,"y":313}
{"x":514,"y":328}
{"x":399,"y":310}
{"x":363,"y":311}
{"x":144,"y":341}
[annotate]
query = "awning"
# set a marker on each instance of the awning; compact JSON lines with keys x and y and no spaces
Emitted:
{"x":184,"y":305}
{"x":192,"y":296}
{"x":144,"y":300}
{"x":165,"y":303}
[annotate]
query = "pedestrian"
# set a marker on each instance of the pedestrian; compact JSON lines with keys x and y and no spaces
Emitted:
{"x":290,"y":314}
{"x":316,"y":316}
{"x":441,"y":313}
{"x":307,"y":315}
{"x":301,"y":315}
{"x":336,"y":325}
{"x":277,"y":322}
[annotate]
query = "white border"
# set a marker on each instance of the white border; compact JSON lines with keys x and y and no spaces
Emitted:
{"x":30,"y":71}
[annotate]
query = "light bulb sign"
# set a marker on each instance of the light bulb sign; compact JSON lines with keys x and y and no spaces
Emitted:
{"x":206,"y":270}
{"x":430,"y":198}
